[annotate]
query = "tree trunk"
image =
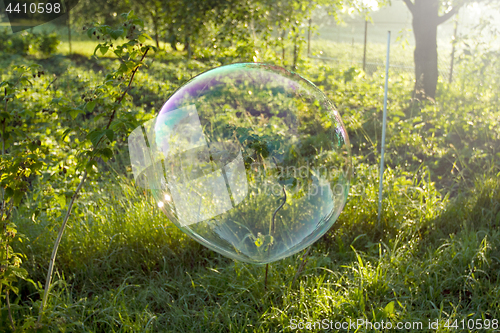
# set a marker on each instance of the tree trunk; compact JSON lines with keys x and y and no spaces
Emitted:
{"x":187,"y":46}
{"x":295,"y":49}
{"x":69,"y":32}
{"x":172,"y":39}
{"x":283,"y":48}
{"x":157,"y":37}
{"x":425,"y":23}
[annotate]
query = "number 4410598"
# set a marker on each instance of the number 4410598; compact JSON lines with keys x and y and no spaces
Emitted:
{"x":34,"y":8}
{"x":472,"y":324}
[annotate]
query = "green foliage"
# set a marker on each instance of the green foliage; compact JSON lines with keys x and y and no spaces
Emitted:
{"x":25,"y":161}
{"x":123,"y":267}
{"x":24,"y":43}
{"x":22,"y":158}
{"x":104,"y":100}
{"x":246,"y":30}
{"x":48,"y":43}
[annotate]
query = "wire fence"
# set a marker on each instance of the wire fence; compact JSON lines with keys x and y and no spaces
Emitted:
{"x":370,"y":54}
{"x":363,"y":43}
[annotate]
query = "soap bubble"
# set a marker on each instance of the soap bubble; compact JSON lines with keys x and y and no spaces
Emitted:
{"x":251,"y":160}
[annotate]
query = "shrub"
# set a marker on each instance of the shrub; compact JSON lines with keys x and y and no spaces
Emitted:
{"x":48,"y":43}
{"x":25,"y":42}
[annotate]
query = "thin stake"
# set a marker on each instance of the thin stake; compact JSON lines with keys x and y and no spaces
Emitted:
{"x":69,"y":32}
{"x":265,"y":280}
{"x":382,"y":148}
{"x":364,"y":48}
{"x":302,"y":265}
{"x":309,"y":38}
{"x":453,"y":51}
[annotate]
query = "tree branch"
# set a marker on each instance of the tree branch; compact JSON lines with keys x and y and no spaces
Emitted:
{"x":10,"y":311}
{"x":447,"y":16}
{"x":118,"y":102}
{"x":409,"y":4}
{"x":56,"y":246}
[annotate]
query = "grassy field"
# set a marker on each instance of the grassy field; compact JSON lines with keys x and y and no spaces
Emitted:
{"x":435,"y":254}
{"x":116,"y":277}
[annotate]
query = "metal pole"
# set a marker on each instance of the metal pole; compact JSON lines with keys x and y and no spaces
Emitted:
{"x":453,"y":51}
{"x":382,"y":146}
{"x":69,"y":32}
{"x":352,"y":52}
{"x":309,"y":38}
{"x":364,"y":50}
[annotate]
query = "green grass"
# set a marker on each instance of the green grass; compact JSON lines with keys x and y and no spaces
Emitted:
{"x":83,"y":47}
{"x":123,"y":267}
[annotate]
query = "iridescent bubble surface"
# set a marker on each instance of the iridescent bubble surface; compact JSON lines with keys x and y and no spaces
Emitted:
{"x":251,"y":160}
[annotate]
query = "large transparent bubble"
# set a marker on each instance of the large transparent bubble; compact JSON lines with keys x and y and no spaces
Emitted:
{"x":251,"y":160}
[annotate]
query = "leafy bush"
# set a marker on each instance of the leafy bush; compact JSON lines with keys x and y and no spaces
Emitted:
{"x":48,"y":43}
{"x":24,"y":43}
{"x":22,"y":157}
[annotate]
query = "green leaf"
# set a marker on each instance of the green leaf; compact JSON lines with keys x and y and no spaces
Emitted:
{"x":91,"y":106}
{"x":74,"y":113}
{"x":66,"y":132}
{"x":106,"y":153}
{"x":115,"y":34}
{"x":9,"y":192}
{"x":104,"y":49}
{"x":142,"y":39}
{"x":99,"y":116}
{"x":61,"y":200}
{"x":89,"y":165}
{"x":58,"y":101}
{"x":110,"y":134}
{"x":18,"y":195}
{"x":95,"y":136}
{"x":25,"y":81}
{"x":389,"y":308}
{"x":19,"y":272}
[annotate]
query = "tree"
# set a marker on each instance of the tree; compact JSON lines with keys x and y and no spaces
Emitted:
{"x":104,"y":12}
{"x":426,"y":19}
{"x":427,"y":16}
{"x":153,"y":10}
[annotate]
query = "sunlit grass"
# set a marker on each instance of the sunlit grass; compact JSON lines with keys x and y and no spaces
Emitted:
{"x":83,"y":47}
{"x":126,"y":268}
{"x":123,"y":267}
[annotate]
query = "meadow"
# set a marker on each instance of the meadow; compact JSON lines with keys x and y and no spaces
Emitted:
{"x":122,"y":266}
